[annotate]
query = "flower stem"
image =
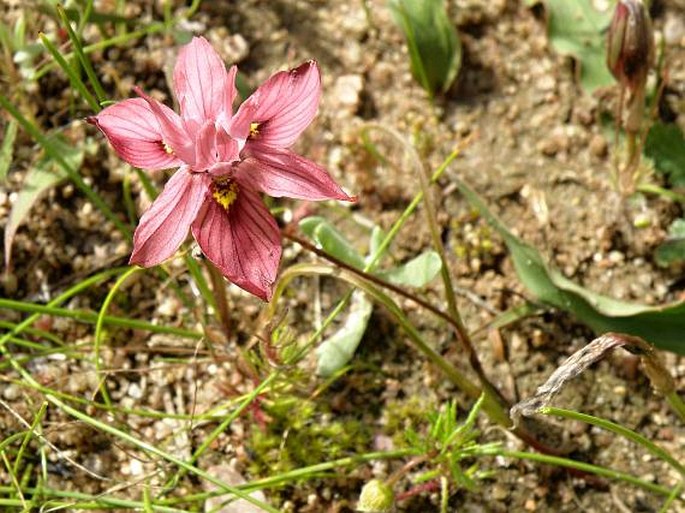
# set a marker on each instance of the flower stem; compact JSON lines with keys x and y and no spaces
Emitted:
{"x":219,"y":293}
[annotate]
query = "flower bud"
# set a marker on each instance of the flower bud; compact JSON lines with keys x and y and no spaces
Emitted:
{"x":376,"y":497}
{"x":630,"y":44}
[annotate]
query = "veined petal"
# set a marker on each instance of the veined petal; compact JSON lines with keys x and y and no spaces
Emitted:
{"x":212,"y":146}
{"x":173,"y":132}
{"x":282,"y":107}
{"x":243,"y":242}
{"x":201,"y":82}
{"x":134,"y":132}
{"x":279,"y":173}
{"x":164,"y":226}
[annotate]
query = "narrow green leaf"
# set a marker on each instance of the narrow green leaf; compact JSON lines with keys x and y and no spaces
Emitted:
{"x":323,"y":233}
{"x":415,"y":273}
{"x":663,"y":326}
{"x":434,"y":45}
{"x":74,"y":77}
{"x":45,"y":175}
{"x":665,"y":145}
{"x":336,"y":351}
{"x":576,"y":28}
{"x":7,"y":148}
{"x":85,"y":62}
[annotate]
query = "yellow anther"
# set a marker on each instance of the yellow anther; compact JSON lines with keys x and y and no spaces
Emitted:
{"x":254,"y":129}
{"x":225,"y":193}
{"x":167,"y":148}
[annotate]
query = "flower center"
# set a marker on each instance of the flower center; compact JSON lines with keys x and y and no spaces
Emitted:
{"x":167,"y":148}
{"x":224,"y":192}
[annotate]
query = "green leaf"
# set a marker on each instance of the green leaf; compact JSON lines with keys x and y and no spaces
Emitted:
{"x":323,"y":233}
{"x":335,"y":352}
{"x":576,"y":29}
{"x":7,"y":148}
{"x":665,"y":145}
{"x":45,"y":175}
{"x":434,"y":45}
{"x":415,"y":273}
{"x":663,"y":326}
{"x":673,"y":249}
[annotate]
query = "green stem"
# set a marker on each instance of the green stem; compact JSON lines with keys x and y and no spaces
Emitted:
{"x":85,"y":62}
{"x":220,"y":300}
{"x":74,"y":78}
{"x":92,"y":318}
{"x":456,"y":320}
{"x":495,"y":410}
{"x":144,"y":446}
{"x":582,"y":466}
{"x":99,"y":330}
{"x":619,"y":430}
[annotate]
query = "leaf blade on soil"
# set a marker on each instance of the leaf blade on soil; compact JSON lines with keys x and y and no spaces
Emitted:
{"x":663,"y":326}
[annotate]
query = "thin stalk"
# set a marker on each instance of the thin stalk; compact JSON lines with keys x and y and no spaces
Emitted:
{"x":457,"y":323}
{"x":495,"y":410}
{"x":380,"y":251}
{"x":74,"y":78}
{"x":582,"y":466}
{"x":221,"y":428}
{"x":76,"y":289}
{"x":490,"y":390}
{"x":92,"y":318}
{"x":144,"y":446}
{"x":85,"y":62}
{"x":57,"y":156}
{"x":105,"y":43}
{"x":671,"y":498}
{"x":36,"y":421}
{"x":619,"y":430}
{"x":649,"y":188}
{"x":99,"y":331}
{"x":219,"y":293}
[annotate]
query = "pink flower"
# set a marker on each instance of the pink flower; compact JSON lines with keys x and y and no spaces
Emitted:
{"x":224,"y":163}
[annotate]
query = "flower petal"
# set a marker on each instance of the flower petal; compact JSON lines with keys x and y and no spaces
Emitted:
{"x":201,"y":82}
{"x":134,"y":132}
{"x":281,"y":173}
{"x":212,"y":146}
{"x":164,"y":226}
{"x":173,"y":130}
{"x":283,"y":106}
{"x":243,"y":242}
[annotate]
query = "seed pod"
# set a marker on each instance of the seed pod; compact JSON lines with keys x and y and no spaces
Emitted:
{"x":630,"y":44}
{"x":376,"y":497}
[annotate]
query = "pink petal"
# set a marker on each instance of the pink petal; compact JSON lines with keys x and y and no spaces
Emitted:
{"x":243,"y":242}
{"x":202,"y":86}
{"x":213,"y":145}
{"x":164,"y":226}
{"x":134,"y":132}
{"x":173,"y":130}
{"x":281,"y":173}
{"x":283,"y":106}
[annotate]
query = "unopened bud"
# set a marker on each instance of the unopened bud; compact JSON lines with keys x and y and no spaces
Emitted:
{"x":376,"y":497}
{"x":630,"y":44}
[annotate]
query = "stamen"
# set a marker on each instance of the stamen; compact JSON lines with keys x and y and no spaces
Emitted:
{"x":254,"y":129}
{"x":224,"y":192}
{"x":167,"y":148}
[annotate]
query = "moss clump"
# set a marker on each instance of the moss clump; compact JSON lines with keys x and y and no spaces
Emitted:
{"x":303,"y":432}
